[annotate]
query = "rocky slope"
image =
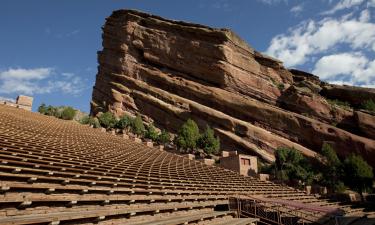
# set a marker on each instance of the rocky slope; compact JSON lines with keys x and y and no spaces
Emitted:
{"x":170,"y":71}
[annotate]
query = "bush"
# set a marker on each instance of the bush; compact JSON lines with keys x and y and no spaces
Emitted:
{"x":50,"y":111}
{"x":280,"y":86}
{"x":265,"y":167}
{"x":342,"y":104}
{"x":208,"y":142}
{"x":368,"y":105}
{"x":84,"y":120}
{"x":68,"y":113}
{"x":188,"y":135}
{"x":358,"y":174}
{"x":164,"y":137}
{"x":151,"y":133}
{"x":42,"y":109}
{"x":107,"y":120}
{"x":137,"y":126}
{"x":124,"y":122}
{"x":94,"y":122}
{"x":339,"y":187}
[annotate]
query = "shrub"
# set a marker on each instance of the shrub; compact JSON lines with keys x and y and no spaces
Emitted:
{"x":68,"y":113}
{"x":107,"y":120}
{"x":342,"y":104}
{"x":84,"y":120}
{"x":124,"y":122}
{"x":42,"y":109}
{"x":188,"y":135}
{"x":339,"y":187}
{"x":208,"y":142}
{"x":368,"y":105}
{"x":137,"y":126}
{"x":51,"y":111}
{"x":358,"y":174}
{"x":164,"y":137}
{"x":151,"y":133}
{"x":94,"y":122}
{"x":280,"y":86}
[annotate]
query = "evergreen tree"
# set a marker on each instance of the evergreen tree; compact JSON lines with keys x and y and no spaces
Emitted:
{"x":332,"y":168}
{"x":290,"y":165}
{"x":188,"y":135}
{"x":358,"y":174}
{"x":208,"y":142}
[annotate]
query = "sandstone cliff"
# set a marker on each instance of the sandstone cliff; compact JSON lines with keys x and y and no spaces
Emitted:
{"x":170,"y":71}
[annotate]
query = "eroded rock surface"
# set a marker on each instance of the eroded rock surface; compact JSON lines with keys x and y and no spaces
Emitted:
{"x":170,"y":71}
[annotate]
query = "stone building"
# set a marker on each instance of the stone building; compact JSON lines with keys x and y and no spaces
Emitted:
{"x":22,"y":102}
{"x":243,"y":164}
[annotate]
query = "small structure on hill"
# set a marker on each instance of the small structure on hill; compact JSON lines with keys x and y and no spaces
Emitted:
{"x":22,"y":102}
{"x":243,"y":164}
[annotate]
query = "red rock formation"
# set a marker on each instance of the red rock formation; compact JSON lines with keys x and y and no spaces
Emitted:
{"x":170,"y":71}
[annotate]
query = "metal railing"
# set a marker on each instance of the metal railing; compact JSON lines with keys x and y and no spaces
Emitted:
{"x":274,"y":213}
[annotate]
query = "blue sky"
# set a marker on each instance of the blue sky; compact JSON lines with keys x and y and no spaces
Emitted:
{"x":48,"y":48}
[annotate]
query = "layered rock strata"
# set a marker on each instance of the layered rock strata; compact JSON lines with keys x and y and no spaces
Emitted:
{"x":169,"y":71}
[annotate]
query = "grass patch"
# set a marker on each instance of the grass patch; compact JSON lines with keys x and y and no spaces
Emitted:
{"x":368,"y":105}
{"x":341,"y":104}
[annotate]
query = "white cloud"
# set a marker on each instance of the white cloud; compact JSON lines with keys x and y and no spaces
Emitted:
{"x":26,"y":74}
{"x":297,"y":9}
{"x":343,"y":4}
{"x":346,"y":68}
{"x":371,"y":3}
{"x":316,"y":37}
{"x":67,"y":75}
{"x":38,"y":81}
{"x":365,"y":16}
{"x":272,"y":2}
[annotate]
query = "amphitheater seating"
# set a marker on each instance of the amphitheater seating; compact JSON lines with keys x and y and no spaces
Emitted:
{"x":60,"y":172}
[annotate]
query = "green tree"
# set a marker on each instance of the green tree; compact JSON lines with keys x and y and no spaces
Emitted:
{"x":42,"y":109}
{"x":124,"y":122}
{"x":151,"y":133}
{"x":164,"y":137}
{"x":292,"y":165}
{"x":68,"y":113}
{"x":107,"y":120}
{"x":332,"y":168}
{"x":188,"y":135}
{"x":137,"y":126}
{"x":208,"y":142}
{"x":358,"y":174}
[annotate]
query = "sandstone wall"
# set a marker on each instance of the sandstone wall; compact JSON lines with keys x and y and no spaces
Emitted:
{"x":170,"y":71}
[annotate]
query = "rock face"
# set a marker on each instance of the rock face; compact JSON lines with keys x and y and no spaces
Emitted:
{"x":169,"y":71}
